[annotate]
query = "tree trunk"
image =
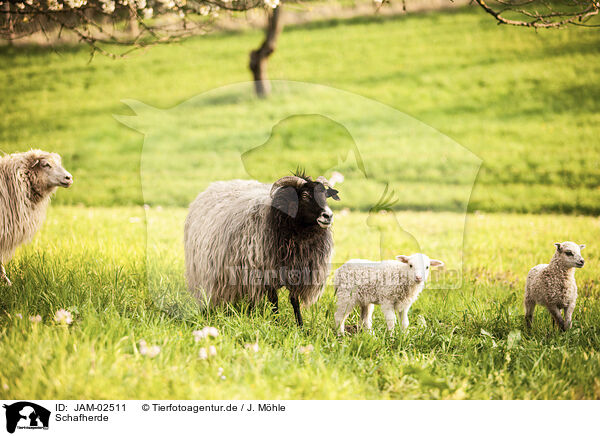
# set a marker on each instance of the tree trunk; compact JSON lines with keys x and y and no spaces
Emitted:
{"x":259,"y":57}
{"x":8,"y":22}
{"x":134,"y":28}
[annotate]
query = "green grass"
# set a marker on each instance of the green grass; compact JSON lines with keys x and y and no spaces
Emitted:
{"x":523,"y":101}
{"x":462,"y":343}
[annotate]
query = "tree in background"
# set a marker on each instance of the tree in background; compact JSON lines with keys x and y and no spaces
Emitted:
{"x":542,"y":13}
{"x":116,"y":27}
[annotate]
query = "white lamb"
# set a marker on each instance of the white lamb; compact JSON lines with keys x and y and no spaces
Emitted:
{"x":393,"y":284}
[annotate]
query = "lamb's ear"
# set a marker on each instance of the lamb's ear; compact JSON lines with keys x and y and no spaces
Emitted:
{"x":402,"y":258}
{"x":435,"y":262}
{"x":286,"y":200}
{"x":333,"y":193}
{"x":582,"y":246}
{"x":557,"y":246}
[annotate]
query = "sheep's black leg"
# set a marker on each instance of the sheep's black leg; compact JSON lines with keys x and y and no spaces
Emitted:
{"x":274,"y":300}
{"x":296,"y":306}
{"x":3,"y":275}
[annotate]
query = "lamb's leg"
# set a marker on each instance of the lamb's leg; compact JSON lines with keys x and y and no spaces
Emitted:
{"x":569,"y":314}
{"x":555,"y":312}
{"x":274,"y":299}
{"x":296,"y":306}
{"x":404,"y":315}
{"x":529,"y":309}
{"x":342,"y":312}
{"x":3,"y":275}
{"x":390,"y":315}
{"x":366,"y":315}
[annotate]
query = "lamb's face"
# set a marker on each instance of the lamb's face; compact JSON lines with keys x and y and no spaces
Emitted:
{"x":419,"y":265}
{"x":569,"y":254}
{"x":50,"y":170}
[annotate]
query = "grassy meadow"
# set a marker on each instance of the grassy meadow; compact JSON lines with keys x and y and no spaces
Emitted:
{"x":462,"y":343}
{"x":517,"y":109}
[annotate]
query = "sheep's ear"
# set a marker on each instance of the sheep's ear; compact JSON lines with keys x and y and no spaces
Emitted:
{"x":557,"y":246}
{"x":333,"y":193}
{"x":582,"y":246}
{"x":435,"y":262}
{"x":286,"y":200}
{"x":402,"y":258}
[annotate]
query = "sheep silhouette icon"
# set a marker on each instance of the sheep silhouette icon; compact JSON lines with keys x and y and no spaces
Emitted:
{"x":227,"y":133}
{"x":26,"y":415}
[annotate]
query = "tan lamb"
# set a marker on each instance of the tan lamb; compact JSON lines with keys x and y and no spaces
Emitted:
{"x":553,"y":285}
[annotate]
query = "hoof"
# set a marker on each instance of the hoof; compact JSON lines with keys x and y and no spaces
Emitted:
{"x":351,"y":329}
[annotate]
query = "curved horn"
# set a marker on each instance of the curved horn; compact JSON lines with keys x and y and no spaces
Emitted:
{"x":293,"y":181}
{"x":323,"y":180}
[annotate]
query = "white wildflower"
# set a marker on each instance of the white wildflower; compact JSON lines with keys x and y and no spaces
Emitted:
{"x":198,"y":335}
{"x":212,"y":350}
{"x":148,"y":12}
{"x":272,"y":3}
{"x":205,"y":333}
{"x":148,"y":351}
{"x":252,"y":347}
{"x":202,"y":353}
{"x":63,"y":316}
{"x":18,"y":315}
{"x":204,"y":10}
{"x":36,"y":318}
{"x":305,"y":350}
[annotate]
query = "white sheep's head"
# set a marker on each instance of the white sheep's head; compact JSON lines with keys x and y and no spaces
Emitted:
{"x":569,"y":254}
{"x":46,"y":171}
{"x":418,"y":266}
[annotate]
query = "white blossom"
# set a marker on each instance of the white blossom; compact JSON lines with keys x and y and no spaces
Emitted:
{"x":108,"y":6}
{"x":148,"y":351}
{"x":202,"y":353}
{"x":305,"y":350}
{"x":63,"y":316}
{"x":272,"y":3}
{"x":205,"y":333}
{"x":148,"y":12}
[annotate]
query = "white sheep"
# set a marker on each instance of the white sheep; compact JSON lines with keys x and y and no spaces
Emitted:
{"x":27,"y":180}
{"x":553,"y":285}
{"x":394,"y":284}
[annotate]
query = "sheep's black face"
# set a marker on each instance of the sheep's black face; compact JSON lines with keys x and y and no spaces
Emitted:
{"x":306,"y":203}
{"x":313,"y":208}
